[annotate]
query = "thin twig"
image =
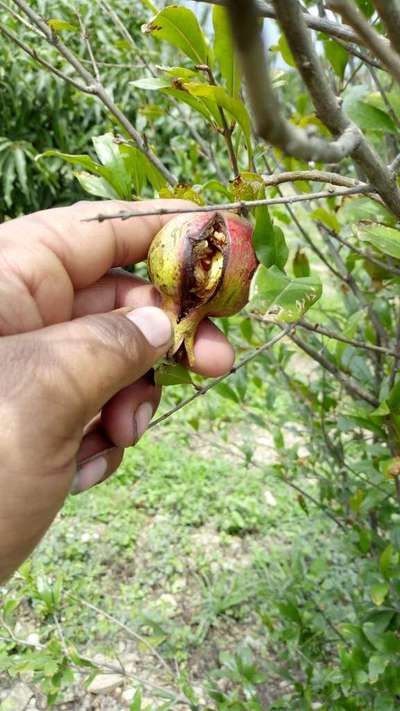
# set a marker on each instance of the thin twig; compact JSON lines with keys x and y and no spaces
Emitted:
{"x":389,"y":108}
{"x":351,"y":342}
{"x":202,"y":391}
{"x":20,"y":18}
{"x":348,"y":383}
{"x":320,"y":176}
{"x":287,"y":199}
{"x":370,"y":37}
{"x":270,"y":122}
{"x":352,"y":283}
{"x":361,"y":253}
{"x":360,"y":54}
{"x":334,"y":29}
{"x":86,"y":39}
{"x":123,"y":626}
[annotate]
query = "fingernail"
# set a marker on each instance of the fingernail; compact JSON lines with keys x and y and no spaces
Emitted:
{"x":89,"y":475}
{"x":153,"y":323}
{"x":143,"y":415}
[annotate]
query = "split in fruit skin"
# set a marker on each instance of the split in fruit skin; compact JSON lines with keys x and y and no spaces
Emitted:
{"x":203,"y":266}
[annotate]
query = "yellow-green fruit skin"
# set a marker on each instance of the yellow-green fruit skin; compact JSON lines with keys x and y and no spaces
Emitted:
{"x":170,"y":266}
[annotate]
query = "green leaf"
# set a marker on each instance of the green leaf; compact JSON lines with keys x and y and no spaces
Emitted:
{"x":8,"y":176}
{"x":115,"y":170}
{"x":224,"y":51}
{"x":337,"y":56}
{"x":248,"y":186}
{"x":172,"y":374}
{"x":269,"y":241}
{"x":136,"y":704}
{"x":149,"y":5}
{"x":301,"y":265}
{"x":182,"y":192}
{"x":290,"y":611}
{"x":234,"y":106}
{"x":385,"y":239}
{"x":208,"y":109}
{"x":327,"y":218}
{"x":60,"y":25}
{"x":376,"y":667}
{"x":282,"y":298}
{"x":378,"y":593}
{"x":227,"y":392}
{"x":151,"y":83}
{"x":363,"y":208}
{"x":83,"y":160}
{"x":246,"y":329}
{"x":179,"y":27}
{"x":393,"y":399}
{"x":390,"y":467}
{"x":95,"y":185}
{"x":179,"y":72}
{"x":286,"y":54}
{"x":216,"y":187}
{"x":388,"y":561}
{"x":140,"y":169}
{"x":366,"y":6}
{"x":20,"y":164}
{"x":366,"y":116}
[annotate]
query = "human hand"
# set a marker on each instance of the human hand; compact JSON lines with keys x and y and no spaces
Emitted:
{"x":78,"y":337}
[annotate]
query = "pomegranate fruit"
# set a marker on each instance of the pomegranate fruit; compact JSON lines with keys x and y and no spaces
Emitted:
{"x":202,"y":264}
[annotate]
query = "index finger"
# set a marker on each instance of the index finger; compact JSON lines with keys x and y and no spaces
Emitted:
{"x":87,"y":250}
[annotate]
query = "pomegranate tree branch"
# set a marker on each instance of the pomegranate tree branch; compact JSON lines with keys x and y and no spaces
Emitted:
{"x":270,"y":123}
{"x":240,"y":204}
{"x":93,"y":86}
{"x":291,"y":19}
{"x":379,"y":46}
{"x":389,"y":12}
{"x":334,"y":29}
{"x":320,"y":176}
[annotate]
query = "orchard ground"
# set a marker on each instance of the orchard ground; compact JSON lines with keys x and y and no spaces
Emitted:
{"x":188,"y":548}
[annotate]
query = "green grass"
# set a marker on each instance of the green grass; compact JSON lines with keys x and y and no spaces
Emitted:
{"x":184,"y":547}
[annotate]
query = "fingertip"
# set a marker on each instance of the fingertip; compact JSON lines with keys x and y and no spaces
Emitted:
{"x":214,"y":355}
{"x":154,"y":324}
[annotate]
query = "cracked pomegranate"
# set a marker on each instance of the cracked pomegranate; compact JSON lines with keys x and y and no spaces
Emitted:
{"x":202,"y":264}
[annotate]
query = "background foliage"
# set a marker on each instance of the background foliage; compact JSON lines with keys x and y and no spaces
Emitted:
{"x":261,"y":571}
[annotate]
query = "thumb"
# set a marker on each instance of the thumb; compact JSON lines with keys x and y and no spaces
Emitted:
{"x":94,"y":357}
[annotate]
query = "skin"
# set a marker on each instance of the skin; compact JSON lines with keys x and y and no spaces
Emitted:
{"x":75,"y":354}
